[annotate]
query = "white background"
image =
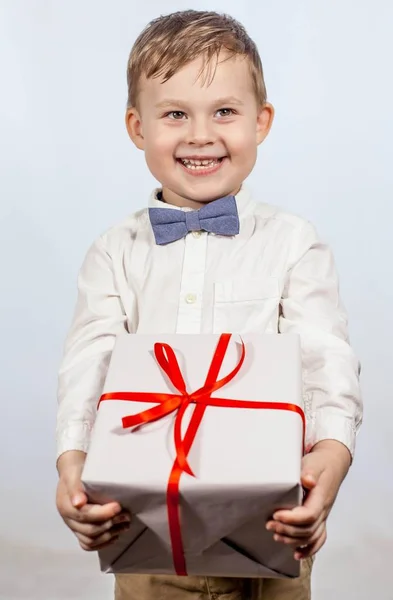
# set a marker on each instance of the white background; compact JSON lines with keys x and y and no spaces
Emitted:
{"x":68,"y":172}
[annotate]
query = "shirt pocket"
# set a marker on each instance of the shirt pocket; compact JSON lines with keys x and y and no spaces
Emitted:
{"x":246,"y":305}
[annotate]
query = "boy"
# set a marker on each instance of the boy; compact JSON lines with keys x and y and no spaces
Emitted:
{"x":197,"y":108}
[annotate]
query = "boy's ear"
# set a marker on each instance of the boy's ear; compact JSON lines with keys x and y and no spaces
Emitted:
{"x":264,"y":121}
{"x":134,"y":128}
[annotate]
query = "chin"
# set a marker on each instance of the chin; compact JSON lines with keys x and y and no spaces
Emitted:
{"x":210,"y":193}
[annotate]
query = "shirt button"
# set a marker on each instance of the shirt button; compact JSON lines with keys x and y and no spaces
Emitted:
{"x":197,"y":234}
{"x":191,"y":298}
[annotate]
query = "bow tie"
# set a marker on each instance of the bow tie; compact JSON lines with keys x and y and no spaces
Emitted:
{"x":219,"y":217}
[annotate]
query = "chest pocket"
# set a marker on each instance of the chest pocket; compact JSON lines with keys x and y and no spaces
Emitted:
{"x":246,"y":305}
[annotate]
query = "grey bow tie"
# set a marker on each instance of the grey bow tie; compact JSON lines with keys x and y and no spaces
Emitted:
{"x":219,"y":217}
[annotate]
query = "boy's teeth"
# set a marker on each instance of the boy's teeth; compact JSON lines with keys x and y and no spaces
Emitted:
{"x":198,"y":164}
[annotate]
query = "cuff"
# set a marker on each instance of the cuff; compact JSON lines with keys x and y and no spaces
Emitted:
{"x":328,"y":425}
{"x":75,"y":436}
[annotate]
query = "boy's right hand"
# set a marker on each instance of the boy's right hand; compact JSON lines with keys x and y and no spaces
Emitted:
{"x":95,"y":525}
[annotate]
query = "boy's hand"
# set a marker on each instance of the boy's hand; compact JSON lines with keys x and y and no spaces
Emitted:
{"x":304,"y":527}
{"x":94,"y":525}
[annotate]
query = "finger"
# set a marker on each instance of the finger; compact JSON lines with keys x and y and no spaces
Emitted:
{"x":75,"y":490}
{"x":294,"y":531}
{"x":309,"y":480}
{"x":312,"y":470}
{"x":88,"y":547}
{"x":92,"y":530}
{"x":312,"y":548}
{"x":94,"y":513}
{"x":301,"y":516}
{"x":304,"y":515}
{"x":104,"y":539}
{"x":301,"y":541}
{"x":78,"y":499}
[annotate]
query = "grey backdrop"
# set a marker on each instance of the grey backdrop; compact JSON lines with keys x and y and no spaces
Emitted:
{"x":68,"y":172}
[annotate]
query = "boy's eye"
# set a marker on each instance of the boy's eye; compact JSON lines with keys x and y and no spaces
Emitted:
{"x":225,"y":112}
{"x":177,"y":115}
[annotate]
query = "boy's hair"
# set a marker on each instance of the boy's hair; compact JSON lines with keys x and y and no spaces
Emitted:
{"x":170,"y":42}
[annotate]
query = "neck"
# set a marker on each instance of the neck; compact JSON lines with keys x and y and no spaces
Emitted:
{"x":171,"y":197}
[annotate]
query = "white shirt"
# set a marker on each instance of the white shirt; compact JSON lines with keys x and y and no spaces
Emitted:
{"x":275,"y":276}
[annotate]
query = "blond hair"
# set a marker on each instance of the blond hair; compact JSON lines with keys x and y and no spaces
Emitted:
{"x":170,"y":42}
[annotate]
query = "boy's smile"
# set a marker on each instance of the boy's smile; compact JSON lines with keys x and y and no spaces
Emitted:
{"x":200,"y":137}
{"x":201,"y":166}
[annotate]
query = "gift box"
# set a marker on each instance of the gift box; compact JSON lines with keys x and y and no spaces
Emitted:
{"x":200,"y":437}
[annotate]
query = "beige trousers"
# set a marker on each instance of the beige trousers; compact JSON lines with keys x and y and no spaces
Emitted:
{"x":168,"y":587}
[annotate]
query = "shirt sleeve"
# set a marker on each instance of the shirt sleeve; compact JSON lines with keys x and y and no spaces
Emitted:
{"x":99,"y":317}
{"x":311,"y":307}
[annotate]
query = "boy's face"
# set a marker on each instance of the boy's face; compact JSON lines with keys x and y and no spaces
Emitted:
{"x":200,"y":140}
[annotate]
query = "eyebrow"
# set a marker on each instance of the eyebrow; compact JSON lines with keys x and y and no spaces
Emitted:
{"x":170,"y":103}
{"x":219,"y":102}
{"x":229,"y":100}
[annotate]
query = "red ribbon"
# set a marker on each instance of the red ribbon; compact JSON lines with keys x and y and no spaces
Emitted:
{"x":168,"y":403}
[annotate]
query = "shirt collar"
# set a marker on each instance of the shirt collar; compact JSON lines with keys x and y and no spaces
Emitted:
{"x":243,"y":198}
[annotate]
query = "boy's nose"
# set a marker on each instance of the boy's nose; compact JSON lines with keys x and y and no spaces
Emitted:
{"x":200,"y":133}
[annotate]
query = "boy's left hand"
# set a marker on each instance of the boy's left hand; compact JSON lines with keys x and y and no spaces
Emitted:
{"x":304,"y":527}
